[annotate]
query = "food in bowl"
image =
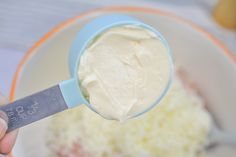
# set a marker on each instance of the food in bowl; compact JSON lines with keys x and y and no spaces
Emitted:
{"x":201,"y":70}
{"x":177,"y":127}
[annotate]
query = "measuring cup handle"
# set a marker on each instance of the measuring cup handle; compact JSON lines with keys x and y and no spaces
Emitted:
{"x":34,"y":107}
{"x":72,"y":93}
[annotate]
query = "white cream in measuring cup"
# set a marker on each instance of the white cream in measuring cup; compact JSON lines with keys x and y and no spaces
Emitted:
{"x":124,"y":70}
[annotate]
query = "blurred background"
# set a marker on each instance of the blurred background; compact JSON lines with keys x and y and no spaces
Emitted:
{"x":23,"y":22}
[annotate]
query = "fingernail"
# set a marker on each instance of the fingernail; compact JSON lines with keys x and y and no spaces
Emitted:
{"x":3,"y":127}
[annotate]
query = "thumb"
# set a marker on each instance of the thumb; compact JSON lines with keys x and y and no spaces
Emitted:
{"x":3,"y":128}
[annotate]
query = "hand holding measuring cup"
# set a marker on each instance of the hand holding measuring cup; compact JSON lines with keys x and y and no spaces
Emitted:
{"x":68,"y":94}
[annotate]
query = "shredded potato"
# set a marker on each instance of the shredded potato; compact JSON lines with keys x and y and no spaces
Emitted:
{"x":177,"y":127}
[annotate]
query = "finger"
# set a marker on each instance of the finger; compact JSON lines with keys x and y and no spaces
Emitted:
{"x":8,"y":141}
{"x":3,"y":128}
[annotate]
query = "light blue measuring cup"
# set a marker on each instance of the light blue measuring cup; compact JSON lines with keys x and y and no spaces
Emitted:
{"x":67,"y":94}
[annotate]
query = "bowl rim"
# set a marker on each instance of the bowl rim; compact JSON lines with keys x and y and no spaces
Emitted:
{"x":72,"y":20}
